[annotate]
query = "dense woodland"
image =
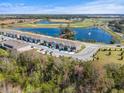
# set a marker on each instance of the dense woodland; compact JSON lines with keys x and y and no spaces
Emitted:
{"x":59,"y":16}
{"x":40,"y":16}
{"x":31,"y":72}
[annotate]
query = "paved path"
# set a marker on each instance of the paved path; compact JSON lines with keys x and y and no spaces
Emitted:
{"x":87,"y":53}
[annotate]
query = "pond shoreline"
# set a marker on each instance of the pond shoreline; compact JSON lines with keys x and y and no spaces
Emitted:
{"x":45,"y":26}
{"x":82,"y":34}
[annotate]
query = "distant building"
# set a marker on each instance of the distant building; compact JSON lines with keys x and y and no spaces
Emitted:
{"x":15,"y":45}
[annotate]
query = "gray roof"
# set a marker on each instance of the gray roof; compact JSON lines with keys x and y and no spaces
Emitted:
{"x":43,"y":37}
{"x":15,"y":44}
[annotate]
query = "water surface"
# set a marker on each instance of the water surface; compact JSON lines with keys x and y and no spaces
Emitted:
{"x":81,"y":34}
{"x":48,"y":22}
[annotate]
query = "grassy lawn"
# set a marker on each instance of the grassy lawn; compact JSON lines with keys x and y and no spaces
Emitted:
{"x":116,"y":36}
{"x":26,"y":25}
{"x":85,"y":23}
{"x":82,"y":47}
{"x":109,"y":56}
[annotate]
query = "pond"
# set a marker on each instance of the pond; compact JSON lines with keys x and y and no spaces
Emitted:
{"x":81,"y":34}
{"x":48,"y":22}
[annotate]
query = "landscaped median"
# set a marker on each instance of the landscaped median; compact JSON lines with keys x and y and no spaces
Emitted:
{"x":81,"y":48}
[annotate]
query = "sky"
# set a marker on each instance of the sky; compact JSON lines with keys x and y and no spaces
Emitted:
{"x":61,"y":6}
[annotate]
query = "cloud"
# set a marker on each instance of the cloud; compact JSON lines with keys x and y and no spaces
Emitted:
{"x":9,"y":8}
{"x":9,"y":5}
{"x":94,"y":7}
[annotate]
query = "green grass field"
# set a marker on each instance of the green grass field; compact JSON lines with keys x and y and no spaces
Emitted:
{"x":26,"y":25}
{"x":115,"y":36}
{"x":85,"y":23}
{"x":109,"y":56}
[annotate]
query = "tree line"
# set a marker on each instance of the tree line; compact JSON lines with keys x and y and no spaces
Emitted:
{"x":31,"y":72}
